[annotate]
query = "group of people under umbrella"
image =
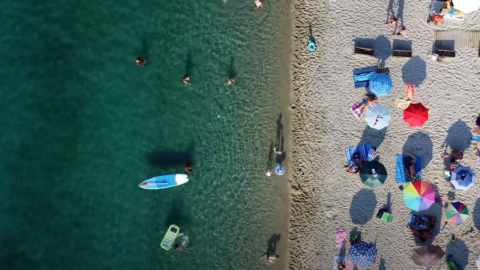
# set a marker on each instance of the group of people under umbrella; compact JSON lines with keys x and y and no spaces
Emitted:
{"x":378,"y":116}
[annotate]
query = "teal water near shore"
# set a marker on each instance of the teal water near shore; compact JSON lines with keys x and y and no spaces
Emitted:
{"x":82,"y":126}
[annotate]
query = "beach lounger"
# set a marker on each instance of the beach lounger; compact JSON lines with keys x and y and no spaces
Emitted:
{"x":362,"y":50}
{"x":445,"y":53}
{"x":403,"y":161}
{"x":402,"y":53}
{"x":365,"y":151}
{"x":360,"y":71}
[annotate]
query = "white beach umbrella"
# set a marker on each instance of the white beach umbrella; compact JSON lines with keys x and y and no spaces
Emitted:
{"x":466,"y":6}
{"x":377,"y":117}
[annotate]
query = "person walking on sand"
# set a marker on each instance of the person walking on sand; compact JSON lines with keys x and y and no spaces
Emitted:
{"x":392,"y":22}
{"x":186,"y":80}
{"x":230,"y":81}
{"x":258,"y":4}
{"x":402,"y":31}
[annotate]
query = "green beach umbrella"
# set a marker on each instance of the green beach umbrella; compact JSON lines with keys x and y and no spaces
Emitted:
{"x":373,"y":174}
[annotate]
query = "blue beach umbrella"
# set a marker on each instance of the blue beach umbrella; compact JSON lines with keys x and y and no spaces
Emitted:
{"x":363,"y":254}
{"x":462,"y":178}
{"x":377,"y":117}
{"x":380,"y":84}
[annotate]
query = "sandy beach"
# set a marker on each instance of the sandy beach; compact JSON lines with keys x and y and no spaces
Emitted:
{"x":323,"y":127}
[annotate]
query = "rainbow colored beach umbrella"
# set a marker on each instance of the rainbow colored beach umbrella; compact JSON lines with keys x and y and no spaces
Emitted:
{"x":419,"y":195}
{"x":456,"y":212}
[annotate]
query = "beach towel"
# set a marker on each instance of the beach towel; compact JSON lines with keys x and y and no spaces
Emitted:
{"x":357,"y":112}
{"x":402,"y":104}
{"x":401,"y":169}
{"x":365,"y":151}
{"x":476,"y":135}
{"x":410,"y":91}
{"x":341,"y":238}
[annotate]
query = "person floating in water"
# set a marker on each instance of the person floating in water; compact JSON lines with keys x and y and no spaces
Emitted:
{"x":186,"y":80}
{"x":188,"y":167}
{"x":141,"y":61}
{"x":230,"y":81}
{"x":176,"y":246}
{"x":258,"y":3}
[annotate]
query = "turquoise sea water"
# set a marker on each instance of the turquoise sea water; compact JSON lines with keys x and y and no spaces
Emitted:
{"x":82,"y":126}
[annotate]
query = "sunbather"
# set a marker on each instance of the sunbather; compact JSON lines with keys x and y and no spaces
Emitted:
{"x":370,"y":98}
{"x":353,"y":169}
{"x":413,"y":173}
{"x":356,"y":158}
{"x":455,"y":155}
{"x":449,"y":5}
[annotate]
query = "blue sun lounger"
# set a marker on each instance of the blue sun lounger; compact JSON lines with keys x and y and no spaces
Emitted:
{"x":361,"y":76}
{"x":402,"y":163}
{"x":365,"y":151}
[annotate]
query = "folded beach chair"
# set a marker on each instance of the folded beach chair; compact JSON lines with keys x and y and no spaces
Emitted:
{"x":403,"y":161}
{"x":365,"y":151}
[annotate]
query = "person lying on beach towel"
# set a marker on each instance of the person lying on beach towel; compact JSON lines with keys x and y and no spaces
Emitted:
{"x":359,"y":109}
{"x":411,"y":167}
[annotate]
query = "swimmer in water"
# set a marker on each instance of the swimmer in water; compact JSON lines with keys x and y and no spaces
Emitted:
{"x":258,"y":3}
{"x":230,"y":81}
{"x":188,"y":167}
{"x":186,"y":80}
{"x":141,"y":61}
{"x":269,"y":172}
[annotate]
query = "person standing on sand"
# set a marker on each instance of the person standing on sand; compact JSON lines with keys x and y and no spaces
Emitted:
{"x":258,"y":3}
{"x":402,"y":31}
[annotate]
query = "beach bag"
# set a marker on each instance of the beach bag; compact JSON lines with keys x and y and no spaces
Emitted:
{"x":437,"y":18}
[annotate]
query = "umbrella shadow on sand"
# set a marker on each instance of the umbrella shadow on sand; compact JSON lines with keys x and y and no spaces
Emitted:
{"x":414,"y":71}
{"x":422,"y":147}
{"x":458,"y":136}
{"x":476,"y":214}
{"x":363,"y":206}
{"x":457,"y":252}
{"x":382,"y":49}
{"x":373,"y":137}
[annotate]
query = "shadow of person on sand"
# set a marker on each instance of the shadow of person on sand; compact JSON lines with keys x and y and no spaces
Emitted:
{"x":279,"y":142}
{"x":272,"y":243}
{"x":311,"y":33}
{"x":382,"y":264}
{"x":422,"y":147}
{"x":363,"y":206}
{"x":414,"y":71}
{"x":270,"y":157}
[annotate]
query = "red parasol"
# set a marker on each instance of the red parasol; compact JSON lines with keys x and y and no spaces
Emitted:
{"x":415,"y":114}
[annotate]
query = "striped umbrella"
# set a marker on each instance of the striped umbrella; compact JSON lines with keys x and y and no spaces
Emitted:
{"x":380,"y":84}
{"x":456,"y":212}
{"x":462,"y":178}
{"x":419,"y":195}
{"x":378,"y":117}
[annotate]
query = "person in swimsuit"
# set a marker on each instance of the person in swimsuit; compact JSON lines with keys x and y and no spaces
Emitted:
{"x":411,"y":167}
{"x":230,"y":81}
{"x":186,"y":80}
{"x":258,"y":4}
{"x":392,"y":22}
{"x":188,"y":167}
{"x":366,"y":103}
{"x":141,"y":61}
